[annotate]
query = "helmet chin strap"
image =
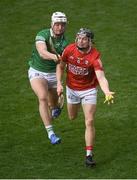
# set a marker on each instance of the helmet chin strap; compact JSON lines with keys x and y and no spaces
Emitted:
{"x":85,"y":49}
{"x":82,"y":48}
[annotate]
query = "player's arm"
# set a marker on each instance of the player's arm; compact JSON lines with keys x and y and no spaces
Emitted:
{"x":104,"y":86}
{"x":44,"y":53}
{"x":59,"y":74}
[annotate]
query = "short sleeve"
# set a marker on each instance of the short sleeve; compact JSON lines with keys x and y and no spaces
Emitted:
{"x":97,"y":63}
{"x":41,"y":36}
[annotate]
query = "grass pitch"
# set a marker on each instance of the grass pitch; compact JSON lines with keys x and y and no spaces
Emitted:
{"x":25,"y":151}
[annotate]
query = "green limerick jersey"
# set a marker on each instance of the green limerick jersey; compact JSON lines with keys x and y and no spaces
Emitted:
{"x":58,"y":44}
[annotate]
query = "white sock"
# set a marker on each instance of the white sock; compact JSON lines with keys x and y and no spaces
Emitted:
{"x":50,"y":131}
{"x":89,"y":152}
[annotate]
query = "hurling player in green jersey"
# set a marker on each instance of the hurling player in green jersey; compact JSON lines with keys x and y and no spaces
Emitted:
{"x":49,"y":45}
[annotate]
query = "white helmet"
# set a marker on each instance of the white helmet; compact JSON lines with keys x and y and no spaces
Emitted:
{"x":58,"y":17}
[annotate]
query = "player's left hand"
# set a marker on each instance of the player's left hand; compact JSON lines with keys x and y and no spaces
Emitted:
{"x":109,"y":98}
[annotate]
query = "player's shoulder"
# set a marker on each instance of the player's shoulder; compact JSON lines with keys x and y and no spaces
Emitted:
{"x":68,"y":49}
{"x":44,"y":32}
{"x":95,"y":52}
{"x":43,"y":35}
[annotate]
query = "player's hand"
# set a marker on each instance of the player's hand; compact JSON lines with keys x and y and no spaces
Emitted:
{"x":59,"y":88}
{"x":109,"y":98}
{"x":57,"y":58}
{"x":61,"y":101}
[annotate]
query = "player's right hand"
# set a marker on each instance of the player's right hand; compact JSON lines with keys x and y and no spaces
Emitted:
{"x":61,"y":101}
{"x":59,"y":88}
{"x":57,"y":58}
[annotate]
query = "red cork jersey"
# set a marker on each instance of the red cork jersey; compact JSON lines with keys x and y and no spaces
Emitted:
{"x":81,"y":67}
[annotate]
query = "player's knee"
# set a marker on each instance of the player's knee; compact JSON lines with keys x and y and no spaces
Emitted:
{"x":89,"y":122}
{"x":43,"y":99}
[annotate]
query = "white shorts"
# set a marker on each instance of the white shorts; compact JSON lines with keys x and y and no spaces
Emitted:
{"x":50,"y":77}
{"x":85,"y":97}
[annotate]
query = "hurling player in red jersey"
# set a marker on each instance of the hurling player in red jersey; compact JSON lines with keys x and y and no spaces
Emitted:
{"x":84,"y":72}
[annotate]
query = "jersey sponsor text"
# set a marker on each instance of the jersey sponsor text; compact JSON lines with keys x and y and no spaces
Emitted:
{"x":77,"y":70}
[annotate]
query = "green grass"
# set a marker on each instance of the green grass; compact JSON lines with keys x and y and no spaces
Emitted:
{"x":25,"y":151}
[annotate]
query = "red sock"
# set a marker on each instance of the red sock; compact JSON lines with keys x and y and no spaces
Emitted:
{"x":89,"y":150}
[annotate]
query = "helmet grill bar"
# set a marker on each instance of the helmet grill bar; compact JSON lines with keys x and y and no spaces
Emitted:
{"x":86,"y":32}
{"x":58,"y":17}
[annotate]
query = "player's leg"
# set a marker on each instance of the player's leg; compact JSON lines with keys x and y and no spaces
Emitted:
{"x":40,"y":87}
{"x":73,"y":103}
{"x":89,"y":111}
{"x":53,"y":103}
{"x":89,"y":99}
{"x":53,"y":98}
{"x":72,"y":110}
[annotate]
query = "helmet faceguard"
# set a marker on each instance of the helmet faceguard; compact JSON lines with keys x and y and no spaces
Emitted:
{"x":84,"y":32}
{"x":87,"y":32}
{"x":58,"y":17}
